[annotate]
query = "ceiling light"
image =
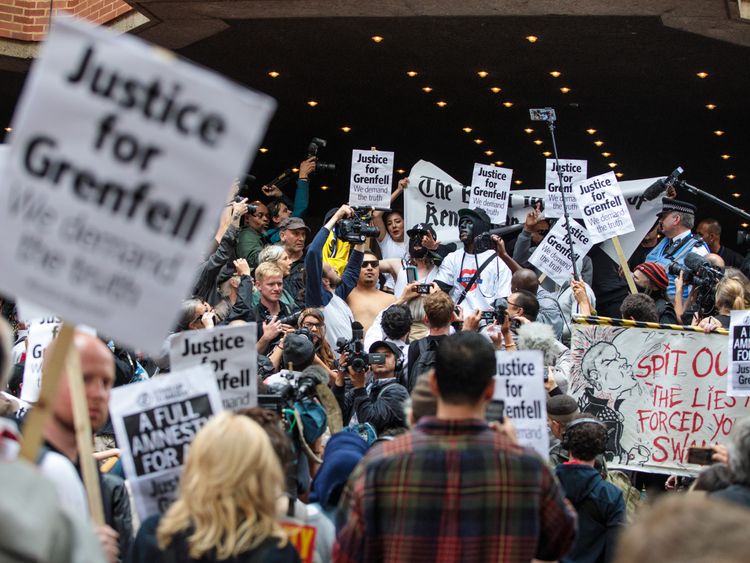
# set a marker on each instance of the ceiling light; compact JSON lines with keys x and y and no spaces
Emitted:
{"x":295,"y":170}
{"x":538,"y":141}
{"x":598,"y":143}
{"x":274,"y":74}
{"x":441,"y":103}
{"x":8,"y":129}
{"x":496,"y":89}
{"x":564,"y":89}
{"x":478,"y":141}
{"x":508,"y":104}
{"x":346,"y":128}
{"x":737,"y":195}
{"x":427,"y":89}
{"x":590,"y":131}
{"x":411,"y":73}
{"x":731,"y":176}
{"x":710,"y":106}
{"x":718,"y":132}
{"x":401,"y":171}
{"x":723,"y":156}
{"x":312,"y":103}
{"x":518,"y":182}
{"x":606,"y":154}
{"x":489,"y":153}
{"x":264,"y":150}
{"x":532,"y":38}
{"x":745,"y":225}
{"x":324,"y":188}
{"x":555,"y":73}
{"x":612,"y":164}
{"x":467,"y":129}
{"x":483,"y":74}
{"x":547,"y":153}
{"x":528,"y":130}
{"x":619,"y":174}
{"x":499,"y":163}
{"x":701,"y":74}
{"x":376,"y":38}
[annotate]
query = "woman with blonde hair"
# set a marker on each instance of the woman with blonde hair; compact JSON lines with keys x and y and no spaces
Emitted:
{"x":730,"y":295}
{"x":226,"y":509}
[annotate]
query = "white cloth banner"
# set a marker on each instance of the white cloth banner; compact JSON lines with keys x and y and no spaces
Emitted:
{"x":109,"y":193}
{"x":519,"y":382}
{"x":371,"y":179}
{"x":603,"y":206}
{"x":738,"y":382}
{"x":659,"y":392}
{"x":155,"y":422}
{"x":230,"y":351}
{"x":489,"y":191}
{"x":552,"y":256}
{"x":572,"y":171}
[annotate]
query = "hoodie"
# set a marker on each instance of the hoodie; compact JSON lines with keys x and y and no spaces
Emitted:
{"x":601,"y":512}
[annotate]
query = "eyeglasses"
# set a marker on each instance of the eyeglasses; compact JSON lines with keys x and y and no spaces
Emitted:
{"x":311,"y":326}
{"x":370,"y":263}
{"x":513,"y":304}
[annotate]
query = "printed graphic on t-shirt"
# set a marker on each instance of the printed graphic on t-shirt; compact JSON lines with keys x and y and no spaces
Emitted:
{"x":465,"y":277}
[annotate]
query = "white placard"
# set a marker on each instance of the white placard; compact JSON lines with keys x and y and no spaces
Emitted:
{"x":604,"y":208}
{"x":231,"y":354}
{"x":155,"y":422}
{"x":572,"y":171}
{"x":41,"y":333}
{"x":519,"y":382}
{"x":552,"y":256}
{"x":490,"y":186}
{"x":110,"y":197}
{"x":738,"y":382}
{"x":372,"y":176}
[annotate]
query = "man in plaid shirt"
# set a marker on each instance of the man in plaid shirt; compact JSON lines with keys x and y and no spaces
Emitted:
{"x":454,"y":489}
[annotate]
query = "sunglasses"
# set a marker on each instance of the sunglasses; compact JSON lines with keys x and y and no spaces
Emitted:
{"x":370,"y":263}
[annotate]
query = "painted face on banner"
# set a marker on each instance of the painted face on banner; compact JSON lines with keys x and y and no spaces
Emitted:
{"x":607,"y":370}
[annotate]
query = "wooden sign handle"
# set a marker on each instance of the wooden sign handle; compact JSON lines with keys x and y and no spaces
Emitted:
{"x":624,"y":265}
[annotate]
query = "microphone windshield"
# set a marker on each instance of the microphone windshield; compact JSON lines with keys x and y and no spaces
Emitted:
{"x":655,"y":190}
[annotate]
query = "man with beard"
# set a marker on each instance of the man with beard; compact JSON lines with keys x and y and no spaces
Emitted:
{"x":474,"y":278}
{"x":420,"y":258}
{"x":292,"y":233}
{"x":325,"y":288}
{"x":366,"y":300}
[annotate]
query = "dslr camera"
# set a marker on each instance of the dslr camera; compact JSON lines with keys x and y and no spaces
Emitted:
{"x":312,"y":150}
{"x":288,"y":320}
{"x":356,"y":229}
{"x":359,"y":360}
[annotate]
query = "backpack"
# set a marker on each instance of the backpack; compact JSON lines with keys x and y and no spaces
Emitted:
{"x":425,"y":361}
{"x":631,"y":495}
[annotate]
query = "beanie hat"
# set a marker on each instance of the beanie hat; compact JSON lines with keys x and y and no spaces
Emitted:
{"x":342,"y":454}
{"x":655,"y":272}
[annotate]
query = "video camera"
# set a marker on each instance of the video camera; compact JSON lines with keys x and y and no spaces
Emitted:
{"x":359,"y":360}
{"x":356,"y":229}
{"x":312,"y":150}
{"x":283,"y":395}
{"x":484,"y":242}
{"x":698,"y":272}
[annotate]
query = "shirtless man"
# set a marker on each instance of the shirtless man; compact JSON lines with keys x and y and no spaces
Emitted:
{"x":366,"y":300}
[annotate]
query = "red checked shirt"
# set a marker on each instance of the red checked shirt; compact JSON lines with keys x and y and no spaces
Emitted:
{"x":453,"y":490}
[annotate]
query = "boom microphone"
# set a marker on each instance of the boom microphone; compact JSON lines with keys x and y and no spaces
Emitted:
{"x":694,"y":261}
{"x":660,"y":186}
{"x":507,"y":230}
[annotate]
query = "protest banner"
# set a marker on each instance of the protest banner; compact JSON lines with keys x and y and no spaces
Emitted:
{"x":370,"y":183}
{"x":658,"y":391}
{"x":604,"y":209}
{"x":552,"y":256}
{"x":519,"y":382}
{"x":41,"y":333}
{"x":738,"y":382}
{"x":110,"y":188}
{"x":231,"y":354}
{"x":572,"y":171}
{"x":155,"y":422}
{"x":489,"y":191}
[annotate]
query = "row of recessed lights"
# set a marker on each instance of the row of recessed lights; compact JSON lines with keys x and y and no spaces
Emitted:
{"x":718,"y":132}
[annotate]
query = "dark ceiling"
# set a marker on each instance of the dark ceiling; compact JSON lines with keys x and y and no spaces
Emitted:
{"x":630,"y":78}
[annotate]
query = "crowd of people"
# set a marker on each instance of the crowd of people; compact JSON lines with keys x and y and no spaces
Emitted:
{"x":392,"y":459}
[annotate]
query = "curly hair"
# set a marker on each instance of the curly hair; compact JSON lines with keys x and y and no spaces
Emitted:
{"x":586,"y":440}
{"x":396,"y":321}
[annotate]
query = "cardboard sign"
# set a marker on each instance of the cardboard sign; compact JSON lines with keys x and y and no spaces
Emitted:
{"x":231,"y":354}
{"x":109,"y":196}
{"x":520,"y":384}
{"x":603,"y":206}
{"x":552,"y":256}
{"x":659,"y":392}
{"x":738,"y":382}
{"x":155,"y":422}
{"x":372,"y":176}
{"x":490,"y":186}
{"x":572,"y":171}
{"x":41,"y":333}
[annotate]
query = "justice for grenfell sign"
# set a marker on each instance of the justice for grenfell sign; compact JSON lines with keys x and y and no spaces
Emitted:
{"x":119,"y":156}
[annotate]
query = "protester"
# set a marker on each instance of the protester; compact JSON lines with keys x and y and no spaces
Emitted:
{"x":421,"y":356}
{"x":274,"y":254}
{"x":600,"y":505}
{"x":549,"y":308}
{"x":739,"y":463}
{"x":227,"y":501}
{"x":279,"y":209}
{"x":390,"y":226}
{"x":251,"y":238}
{"x":561,"y":410}
{"x":393,"y":324}
{"x":651,"y":279}
{"x":366,"y":300}
{"x":709,"y":230}
{"x":639,"y":307}
{"x":419,"y":257}
{"x":411,"y":500}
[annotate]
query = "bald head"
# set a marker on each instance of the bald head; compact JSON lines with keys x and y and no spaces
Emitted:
{"x":715,"y":260}
{"x":524,"y":279}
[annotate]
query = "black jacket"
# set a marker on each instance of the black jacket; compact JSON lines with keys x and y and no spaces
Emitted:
{"x":382,"y":405}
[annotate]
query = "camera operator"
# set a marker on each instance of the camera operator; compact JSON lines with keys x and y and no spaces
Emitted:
{"x":251,"y":238}
{"x":699,"y":278}
{"x":420,"y":258}
{"x":272,"y":316}
{"x":730,"y":295}
{"x":281,"y":208}
{"x":325,"y":288}
{"x":381,"y":401}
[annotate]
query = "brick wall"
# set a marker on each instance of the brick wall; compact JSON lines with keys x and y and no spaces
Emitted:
{"x":26,"y":20}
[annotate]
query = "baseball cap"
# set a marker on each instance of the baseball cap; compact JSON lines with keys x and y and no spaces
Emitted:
{"x":421,"y":228}
{"x":476,"y":213}
{"x":390,"y":345}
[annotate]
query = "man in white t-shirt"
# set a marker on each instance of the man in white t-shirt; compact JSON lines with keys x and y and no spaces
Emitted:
{"x":459,"y":267}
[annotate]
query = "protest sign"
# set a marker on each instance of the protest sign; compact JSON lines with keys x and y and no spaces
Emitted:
{"x":231,"y":354}
{"x":519,"y":382}
{"x":572,"y":171}
{"x":155,"y":422}
{"x":603,"y":206}
{"x":552,"y":256}
{"x":370,"y":183}
{"x":489,"y":191}
{"x":116,"y":153}
{"x":658,"y":391}
{"x":41,"y":333}
{"x":738,"y":382}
